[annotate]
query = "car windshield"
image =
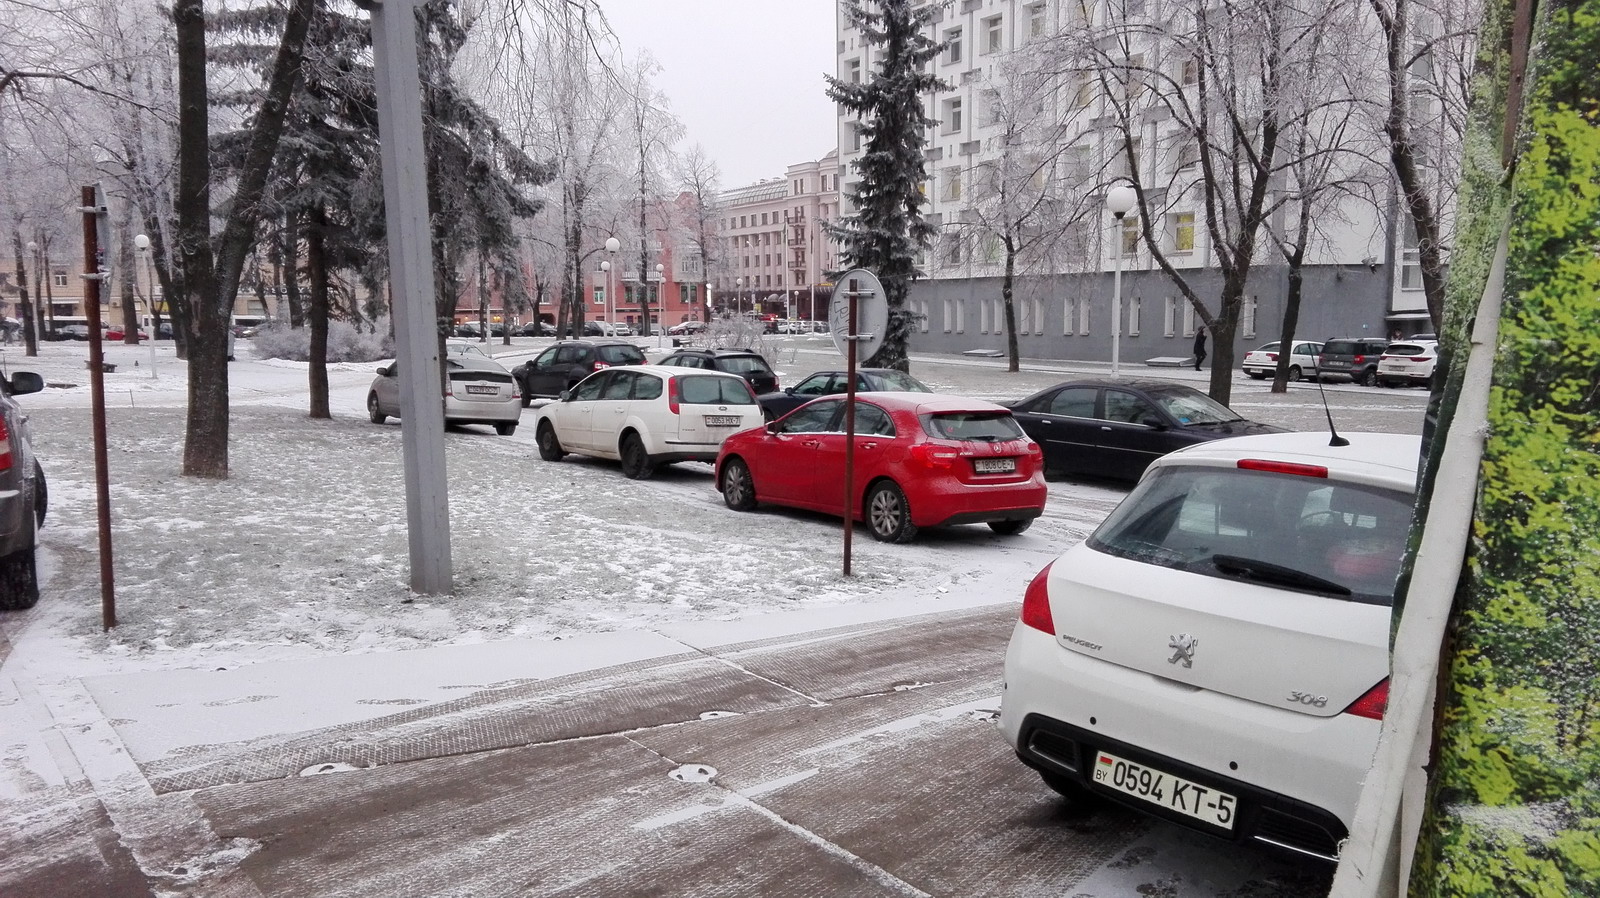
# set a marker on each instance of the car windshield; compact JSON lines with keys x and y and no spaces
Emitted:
{"x":621,"y":355}
{"x":1309,"y":534}
{"x":704,"y":389}
{"x":898,"y":380}
{"x":743,"y":364}
{"x":1193,"y":407}
{"x":988,"y":427}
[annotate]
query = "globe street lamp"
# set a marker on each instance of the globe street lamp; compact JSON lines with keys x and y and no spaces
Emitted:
{"x":612,"y":245}
{"x":1119,"y":201}
{"x":738,"y":297}
{"x":708,"y":303}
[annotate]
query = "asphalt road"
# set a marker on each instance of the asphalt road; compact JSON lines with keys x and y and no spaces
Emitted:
{"x":855,"y":761}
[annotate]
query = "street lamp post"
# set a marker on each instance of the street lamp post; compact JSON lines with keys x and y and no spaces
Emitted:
{"x":708,"y":303}
{"x":661,"y":304}
{"x":1119,"y":200}
{"x":612,"y":245}
{"x":738,"y":297}
{"x":141,"y":243}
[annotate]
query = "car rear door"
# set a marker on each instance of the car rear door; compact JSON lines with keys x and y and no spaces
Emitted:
{"x":1064,"y":424}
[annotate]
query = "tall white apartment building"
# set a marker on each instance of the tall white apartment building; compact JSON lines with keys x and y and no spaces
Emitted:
{"x":996,"y":121}
{"x":775,"y":252}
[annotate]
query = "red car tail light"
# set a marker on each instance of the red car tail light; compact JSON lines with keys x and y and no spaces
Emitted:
{"x":1036,"y":603}
{"x":1373,"y":704}
{"x":6,"y":458}
{"x":674,"y":395}
{"x":1360,"y":358}
{"x":1417,"y":358}
{"x":599,"y":364}
{"x":1282,"y":467}
{"x":932,"y":455}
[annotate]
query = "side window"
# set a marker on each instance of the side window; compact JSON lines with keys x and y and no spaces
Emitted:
{"x":547,"y":358}
{"x":873,"y":421}
{"x":1126,"y":407}
{"x":646,"y":387}
{"x":570,"y":355}
{"x":815,"y":385}
{"x":1073,"y":402}
{"x":814,"y":418}
{"x":619,"y":385}
{"x":589,"y":389}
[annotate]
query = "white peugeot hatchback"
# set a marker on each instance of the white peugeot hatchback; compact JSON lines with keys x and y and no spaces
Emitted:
{"x":1216,"y":653}
{"x":647,"y":415}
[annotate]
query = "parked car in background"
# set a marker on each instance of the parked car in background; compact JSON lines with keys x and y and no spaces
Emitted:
{"x":469,"y":329}
{"x":23,"y":495}
{"x":747,"y":363}
{"x":1116,"y":428}
{"x":1263,"y":362}
{"x":1216,"y":654}
{"x":921,"y":460}
{"x":72,"y":332}
{"x":826,"y":383}
{"x":686,"y":328}
{"x":536,"y":329}
{"x":1352,"y":357}
{"x":478,"y":391}
{"x":561,"y":366}
{"x":118,"y":332}
{"x":646,"y":416}
{"x":1407,"y":364}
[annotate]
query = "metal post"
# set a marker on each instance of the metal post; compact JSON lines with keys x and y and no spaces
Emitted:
{"x":850,"y":428}
{"x":1116,"y":300}
{"x":405,"y":195}
{"x":96,"y":230}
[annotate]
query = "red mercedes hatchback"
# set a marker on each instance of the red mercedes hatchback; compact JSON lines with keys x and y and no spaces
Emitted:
{"x":921,"y":460}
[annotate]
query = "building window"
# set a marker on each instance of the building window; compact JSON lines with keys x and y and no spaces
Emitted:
{"x":1188,"y":318}
{"x":1410,"y":256}
{"x":952,"y":115}
{"x":952,"y":185}
{"x":1171,"y":316}
{"x":1189,"y":71}
{"x":58,"y":278}
{"x":599,"y":296}
{"x":1181,"y":226}
{"x":1188,"y":155}
{"x":952,"y":52}
{"x":1036,"y":20}
{"x":1083,"y":316}
{"x":1069,"y":308}
{"x":949,"y":314}
{"x":961,"y":316}
{"x":993,"y":35}
{"x":952,"y":249}
{"x":1130,"y":234}
{"x":852,"y":70}
{"x":855,"y":136}
{"x":1024,"y":316}
{"x":1249,"y":313}
{"x":1134,"y":306}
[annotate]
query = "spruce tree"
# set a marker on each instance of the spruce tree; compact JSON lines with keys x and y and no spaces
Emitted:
{"x":887,"y":229}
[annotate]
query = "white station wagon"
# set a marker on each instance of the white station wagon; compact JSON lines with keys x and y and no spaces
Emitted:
{"x":647,"y":415}
{"x":1217,"y":652}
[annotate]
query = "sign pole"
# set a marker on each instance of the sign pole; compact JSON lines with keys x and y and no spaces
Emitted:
{"x":96,"y":233}
{"x":850,"y":428}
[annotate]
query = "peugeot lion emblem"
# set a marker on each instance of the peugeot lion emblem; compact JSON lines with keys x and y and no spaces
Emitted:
{"x":1183,"y":646}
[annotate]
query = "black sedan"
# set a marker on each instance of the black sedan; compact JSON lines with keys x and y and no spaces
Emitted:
{"x":826,"y":383}
{"x":1117,"y":428}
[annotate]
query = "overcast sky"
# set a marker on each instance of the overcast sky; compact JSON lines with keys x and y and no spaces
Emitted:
{"x":744,"y":78}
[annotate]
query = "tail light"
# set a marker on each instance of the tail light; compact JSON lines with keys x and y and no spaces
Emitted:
{"x":1373,"y":704}
{"x":598,"y":365}
{"x":1036,"y":603}
{"x":933,"y":455}
{"x":1360,"y":359}
{"x":1282,"y":467}
{"x":674,"y":395}
{"x":1418,"y":358}
{"x":1272,"y":356}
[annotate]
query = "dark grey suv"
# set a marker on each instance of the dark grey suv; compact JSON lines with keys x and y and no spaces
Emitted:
{"x":561,"y":366}
{"x":1352,"y":357}
{"x":747,"y":363}
{"x":23,"y":495}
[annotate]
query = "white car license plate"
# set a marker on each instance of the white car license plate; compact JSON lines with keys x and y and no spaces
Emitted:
{"x":722,"y":420}
{"x":994,"y":465}
{"x":1165,"y":790}
{"x":482,"y":389}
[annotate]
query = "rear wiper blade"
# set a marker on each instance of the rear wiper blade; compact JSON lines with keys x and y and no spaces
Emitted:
{"x":1266,"y":571}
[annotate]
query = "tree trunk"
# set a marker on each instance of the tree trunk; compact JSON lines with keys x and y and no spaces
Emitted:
{"x":126,"y":268}
{"x":1291,"y":320}
{"x":291,"y":279}
{"x":317,"y":268}
{"x":1007,"y":283}
{"x":29,"y":338}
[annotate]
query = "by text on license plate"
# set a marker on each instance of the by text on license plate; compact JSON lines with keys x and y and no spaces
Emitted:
{"x":994,"y":465}
{"x":482,"y":389}
{"x":1165,"y":790}
{"x":722,"y":420}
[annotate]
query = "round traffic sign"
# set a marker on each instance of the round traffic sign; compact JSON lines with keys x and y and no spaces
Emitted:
{"x":872,"y":312}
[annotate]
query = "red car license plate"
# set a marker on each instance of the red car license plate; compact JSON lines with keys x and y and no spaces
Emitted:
{"x":994,"y":465}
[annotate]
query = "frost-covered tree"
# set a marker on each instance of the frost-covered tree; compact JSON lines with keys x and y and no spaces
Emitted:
{"x":887,"y":230}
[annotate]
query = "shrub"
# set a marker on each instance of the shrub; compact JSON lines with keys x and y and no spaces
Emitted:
{"x":346,"y":342}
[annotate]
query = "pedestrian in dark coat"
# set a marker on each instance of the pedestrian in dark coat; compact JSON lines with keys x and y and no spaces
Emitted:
{"x":1199,"y":347}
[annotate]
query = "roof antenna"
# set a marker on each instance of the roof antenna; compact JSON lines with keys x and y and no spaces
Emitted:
{"x":1337,"y":440}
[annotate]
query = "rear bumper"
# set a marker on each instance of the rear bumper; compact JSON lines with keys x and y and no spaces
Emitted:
{"x":973,"y":503}
{"x":1297,"y":776}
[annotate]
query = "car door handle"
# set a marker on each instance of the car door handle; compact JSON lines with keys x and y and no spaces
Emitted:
{"x":870,"y":444}
{"x":1105,"y":427}
{"x":811,"y":444}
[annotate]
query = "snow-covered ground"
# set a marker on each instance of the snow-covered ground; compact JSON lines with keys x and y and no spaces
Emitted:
{"x":303,"y":550}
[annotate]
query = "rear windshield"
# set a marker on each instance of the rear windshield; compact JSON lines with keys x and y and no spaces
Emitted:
{"x":1340,"y":347}
{"x":988,"y":427}
{"x":621,"y":355}
{"x":743,"y":364}
{"x":1309,"y":534}
{"x":704,"y":390}
{"x":1406,"y":349}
